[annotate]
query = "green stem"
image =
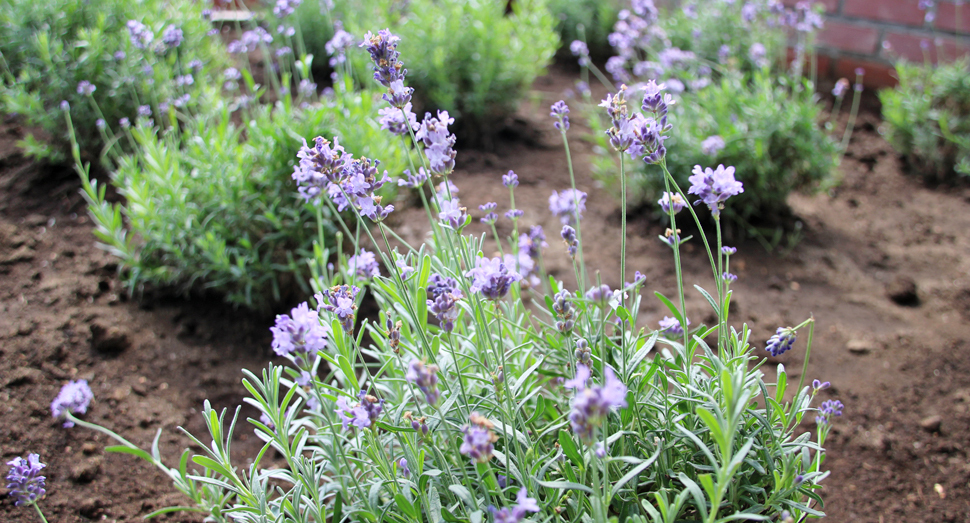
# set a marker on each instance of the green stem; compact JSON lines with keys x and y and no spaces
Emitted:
{"x":39,"y":513}
{"x":808,"y":352}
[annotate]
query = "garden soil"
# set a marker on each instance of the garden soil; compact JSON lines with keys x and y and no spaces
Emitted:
{"x":881,"y":263}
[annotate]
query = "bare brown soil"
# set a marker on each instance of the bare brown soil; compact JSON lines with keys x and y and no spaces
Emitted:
{"x":882,"y":265}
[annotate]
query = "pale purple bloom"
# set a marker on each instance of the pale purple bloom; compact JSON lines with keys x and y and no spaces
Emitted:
{"x":568,"y":205}
{"x":120,"y":55}
{"x":714,"y":186}
{"x":364,"y":264}
{"x":439,"y":143}
{"x":140,"y":34}
{"x":492,"y":277}
{"x":362,"y":415}
{"x":412,"y":180}
{"x":337,"y":46}
{"x":781,"y":341}
{"x":443,"y":295}
{"x":728,"y":277}
{"x":172,"y":37}
{"x":195,"y":65}
{"x":728,"y":251}
{"x":284,"y":8}
{"x":24,"y":482}
{"x":319,"y":165}
{"x":100,"y":123}
{"x":829,"y":409}
{"x":124,"y":122}
{"x":533,"y":242}
{"x":490,"y":215}
{"x":425,"y":377}
{"x":570,"y":239}
{"x":144,"y":110}
{"x":510,"y":180}
{"x":600,"y":450}
{"x":184,"y":80}
{"x":579,"y":48}
{"x":671,"y":201}
{"x":340,"y":301}
{"x":514,"y":214}
{"x":85,"y":88}
{"x":478,"y":443}
{"x":599,"y":294}
{"x":671,"y":327}
{"x":818,"y":385}
{"x":592,"y":404}
{"x":398,"y":94}
{"x":560,"y":111}
{"x":307,"y":88}
{"x":392,"y":119}
{"x":757,"y":53}
{"x":712,"y":145}
{"x":402,"y":465}
{"x":284,"y":51}
{"x":723,"y":53}
{"x":524,"y":505}
{"x":452,"y":213}
{"x":74,"y":397}
{"x":383,"y":52}
{"x":232,"y":74}
{"x":300,"y":332}
{"x":840,"y":87}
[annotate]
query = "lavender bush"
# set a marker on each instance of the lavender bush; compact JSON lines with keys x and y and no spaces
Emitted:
{"x":738,"y":102}
{"x":473,"y":59}
{"x":105,"y":59}
{"x":460,"y":401}
{"x":927,"y":118}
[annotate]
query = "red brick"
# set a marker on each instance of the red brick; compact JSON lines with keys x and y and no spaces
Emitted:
{"x":946,"y":17}
{"x":908,"y":46}
{"x":878,"y":74}
{"x":900,"y":11}
{"x":831,"y":6}
{"x":848,"y":37}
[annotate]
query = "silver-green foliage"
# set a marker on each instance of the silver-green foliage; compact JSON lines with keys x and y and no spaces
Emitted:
{"x":49,"y":46}
{"x":470,"y":58}
{"x":927,"y":118}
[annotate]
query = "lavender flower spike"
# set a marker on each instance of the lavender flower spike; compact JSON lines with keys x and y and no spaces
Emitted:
{"x":592,"y":405}
{"x":443,"y":296}
{"x":829,"y":409}
{"x":319,"y":165}
{"x":560,"y":111}
{"x":781,"y":342}
{"x":712,"y":145}
{"x":383,"y":52}
{"x":479,"y":439}
{"x":524,"y":505}
{"x":25,"y":483}
{"x":510,"y":180}
{"x":339,"y":300}
{"x":671,"y":327}
{"x":671,"y":201}
{"x":570,"y":239}
{"x":714,"y":186}
{"x":300,"y":332}
{"x":364,"y":264}
{"x":426,"y":379}
{"x":492,"y":277}
{"x":74,"y":397}
{"x":568,"y":205}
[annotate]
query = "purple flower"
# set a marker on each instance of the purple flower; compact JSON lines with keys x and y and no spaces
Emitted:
{"x":364,"y":264}
{"x":392,"y":119}
{"x":402,"y":465}
{"x":569,"y":237}
{"x":579,"y":48}
{"x":300,"y":332}
{"x":712,"y":145}
{"x":510,"y":180}
{"x":439,"y":143}
{"x":840,"y":87}
{"x":728,"y":251}
{"x":85,"y":88}
{"x":453,"y":213}
{"x":74,"y":397}
{"x":781,"y":342}
{"x":184,"y":80}
{"x":478,"y":443}
{"x":100,"y":123}
{"x":363,"y":414}
{"x":671,"y":201}
{"x":144,"y":110}
{"x":600,"y":450}
{"x":124,"y":123}
{"x":412,"y":180}
{"x":426,"y":379}
{"x":319,"y":165}
{"x":356,"y":187}
{"x":757,"y":54}
{"x":560,"y":111}
{"x":24,"y":482}
{"x":728,"y":277}
{"x":492,"y":277}
{"x":340,"y":300}
{"x":599,"y":294}
{"x":714,"y":186}
{"x":284,"y":8}
{"x":524,"y":505}
{"x":671,"y":327}
{"x":490,"y":215}
{"x":584,"y":357}
{"x":140,"y":34}
{"x":383,"y":51}
{"x":120,"y":55}
{"x":533,"y":242}
{"x":172,"y":37}
{"x":818,"y":385}
{"x":563,"y":307}
{"x":568,"y":205}
{"x":443,"y":295}
{"x":723,"y":53}
{"x":337,"y":46}
{"x":829,"y":409}
{"x":514,"y":214}
{"x":307,"y":88}
{"x":592,"y":404}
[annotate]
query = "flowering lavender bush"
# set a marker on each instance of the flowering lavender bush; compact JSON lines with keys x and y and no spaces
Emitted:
{"x":589,"y":21}
{"x":927,"y":118}
{"x":470,"y":58}
{"x":489,"y":409}
{"x":104,"y":58}
{"x":738,"y":103}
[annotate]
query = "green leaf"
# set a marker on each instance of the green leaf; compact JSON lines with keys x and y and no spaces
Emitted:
{"x":636,"y":471}
{"x":569,"y":448}
{"x":463,"y":494}
{"x":406,"y":506}
{"x":670,"y":305}
{"x":565,"y":485}
{"x":434,"y":505}
{"x":124,"y":449}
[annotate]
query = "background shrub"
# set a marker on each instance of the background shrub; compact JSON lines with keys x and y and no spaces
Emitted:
{"x":726,"y":64}
{"x":470,"y":58}
{"x":927,"y":118}
{"x":50,"y":46}
{"x":596,"y":17}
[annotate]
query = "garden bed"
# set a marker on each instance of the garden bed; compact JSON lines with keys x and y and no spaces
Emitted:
{"x":882,"y":264}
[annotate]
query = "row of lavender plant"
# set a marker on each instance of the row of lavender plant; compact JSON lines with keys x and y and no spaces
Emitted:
{"x":464,"y":404}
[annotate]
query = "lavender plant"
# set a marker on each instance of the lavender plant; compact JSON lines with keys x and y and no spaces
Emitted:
{"x":488,"y":409}
{"x":739,"y":104}
{"x":472,"y":59}
{"x":927,"y":118}
{"x":105,"y":59}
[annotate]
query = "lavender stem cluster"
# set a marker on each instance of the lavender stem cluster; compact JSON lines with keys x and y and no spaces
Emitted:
{"x":591,"y":404}
{"x":24,"y":482}
{"x":363,"y":414}
{"x":443,"y":296}
{"x":425,"y":377}
{"x":492,"y":277}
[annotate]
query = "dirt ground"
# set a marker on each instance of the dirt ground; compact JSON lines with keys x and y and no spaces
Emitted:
{"x":882,"y":265}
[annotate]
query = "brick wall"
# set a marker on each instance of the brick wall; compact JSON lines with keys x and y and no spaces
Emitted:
{"x":874,"y":33}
